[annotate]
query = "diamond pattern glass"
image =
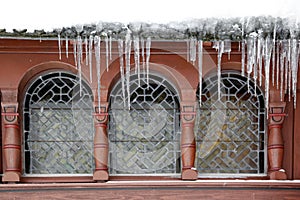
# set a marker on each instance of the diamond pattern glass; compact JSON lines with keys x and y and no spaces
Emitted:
{"x":230,"y":131}
{"x":58,"y":126}
{"x":145,"y":138}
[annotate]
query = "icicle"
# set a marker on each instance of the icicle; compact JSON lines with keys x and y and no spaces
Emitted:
{"x":106,"y":52}
{"x":90,"y":57}
{"x":277,"y":65}
{"x":254,"y":59}
{"x":286,"y":67}
{"x":75,"y":51}
{"x":127,"y":60}
{"x":219,"y":45}
{"x":295,"y":61}
{"x":120,"y":47}
{"x":86,"y":51}
{"x":97,"y":42}
{"x":267,"y":59}
{"x":289,"y":71}
{"x":274,"y":54}
{"x":251,"y":56}
{"x":143,"y":51}
{"x":200,"y":63}
{"x":243,"y":47}
{"x":67,"y":46}
{"x":79,"y":62}
{"x":282,"y":71}
{"x":243,"y":57}
{"x":110,"y":46}
{"x":227,"y":47}
{"x":136,"y":46}
{"x":148,"y":47}
{"x":259,"y":56}
{"x":221,"y":50}
{"x":255,"y":67}
{"x":59,"y":45}
{"x":193,"y":44}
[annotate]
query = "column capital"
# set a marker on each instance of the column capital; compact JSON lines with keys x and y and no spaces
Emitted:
{"x":276,"y":113}
{"x":188,"y":112}
{"x":101,"y":114}
{"x":10,"y":112}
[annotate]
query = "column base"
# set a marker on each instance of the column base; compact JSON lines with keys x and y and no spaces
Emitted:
{"x":101,"y":175}
{"x":189,"y":174}
{"x":278,"y":175}
{"x":11,"y":177}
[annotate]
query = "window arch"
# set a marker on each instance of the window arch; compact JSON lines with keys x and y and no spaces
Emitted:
{"x":58,"y":126}
{"x":145,"y":138}
{"x":230,"y":131}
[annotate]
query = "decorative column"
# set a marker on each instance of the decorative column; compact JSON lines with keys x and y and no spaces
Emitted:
{"x":101,"y":143}
{"x":275,"y":142}
{"x":188,"y":144}
{"x":11,"y":143}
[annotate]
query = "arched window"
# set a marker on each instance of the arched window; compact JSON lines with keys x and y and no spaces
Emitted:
{"x":144,"y":139}
{"x":58,"y":126}
{"x":230,"y":130}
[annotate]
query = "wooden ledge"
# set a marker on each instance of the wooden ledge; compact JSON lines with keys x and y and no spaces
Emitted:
{"x":255,"y":184}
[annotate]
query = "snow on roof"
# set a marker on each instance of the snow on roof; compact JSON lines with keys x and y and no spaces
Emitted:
{"x":205,"y":28}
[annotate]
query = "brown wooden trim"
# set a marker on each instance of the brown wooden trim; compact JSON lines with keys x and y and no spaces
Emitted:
{"x":264,"y":184}
{"x":63,"y":179}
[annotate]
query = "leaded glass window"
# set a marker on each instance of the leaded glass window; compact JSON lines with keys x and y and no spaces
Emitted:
{"x":230,"y":131}
{"x":58,"y":126}
{"x":145,"y":138}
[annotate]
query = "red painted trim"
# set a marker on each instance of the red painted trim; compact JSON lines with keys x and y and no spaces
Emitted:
{"x":187,"y":167}
{"x":188,"y":146}
{"x":188,"y":113}
{"x":13,"y":170}
{"x":187,"y":124}
{"x":10,"y":114}
{"x":101,"y":169}
{"x":11,"y":146}
{"x":11,"y":126}
{"x":275,"y":126}
{"x":101,"y":145}
{"x":277,"y":114}
{"x":276,"y":146}
{"x":274,"y":169}
{"x":100,"y":114}
{"x":101,"y":125}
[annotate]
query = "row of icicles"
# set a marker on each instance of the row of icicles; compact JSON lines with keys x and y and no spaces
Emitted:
{"x":258,"y":56}
{"x":94,"y":42}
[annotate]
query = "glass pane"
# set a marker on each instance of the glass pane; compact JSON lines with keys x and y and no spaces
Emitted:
{"x":227,"y":130}
{"x":144,"y":139}
{"x":58,"y":126}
